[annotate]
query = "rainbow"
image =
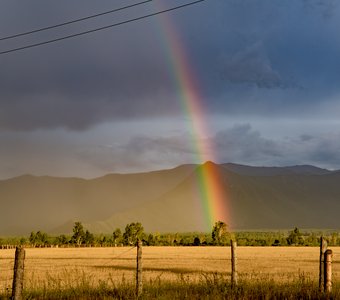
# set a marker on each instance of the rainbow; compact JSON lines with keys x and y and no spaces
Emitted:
{"x":212,"y":197}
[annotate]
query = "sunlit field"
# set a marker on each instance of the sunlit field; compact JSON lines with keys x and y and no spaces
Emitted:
{"x":65,"y":268}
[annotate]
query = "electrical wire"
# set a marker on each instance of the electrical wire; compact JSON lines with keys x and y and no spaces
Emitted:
{"x":73,"y":21}
{"x":100,"y":28}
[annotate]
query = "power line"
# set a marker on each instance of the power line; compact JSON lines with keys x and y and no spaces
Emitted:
{"x":100,"y":28}
{"x":73,"y":21}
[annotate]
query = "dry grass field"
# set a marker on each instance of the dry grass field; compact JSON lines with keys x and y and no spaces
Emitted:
{"x":58,"y":268}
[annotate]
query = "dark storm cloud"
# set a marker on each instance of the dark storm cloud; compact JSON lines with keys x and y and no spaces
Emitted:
{"x":76,"y":84}
{"x":268,"y":45}
{"x":241,"y":50}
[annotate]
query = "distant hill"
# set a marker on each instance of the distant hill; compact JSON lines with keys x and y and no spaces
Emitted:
{"x":273,"y":171}
{"x":44,"y":203}
{"x":166,"y":201}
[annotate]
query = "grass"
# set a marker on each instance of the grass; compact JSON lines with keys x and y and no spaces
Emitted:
{"x":169,"y":273}
{"x":213,"y":286}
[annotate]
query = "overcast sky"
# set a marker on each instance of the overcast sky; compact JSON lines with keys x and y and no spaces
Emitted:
{"x":268,"y":72}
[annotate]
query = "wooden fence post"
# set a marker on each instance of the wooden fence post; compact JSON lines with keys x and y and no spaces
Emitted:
{"x":18,"y":277}
{"x":234,"y":275}
{"x":328,"y":270}
{"x":323,"y":248}
{"x":139,"y":282}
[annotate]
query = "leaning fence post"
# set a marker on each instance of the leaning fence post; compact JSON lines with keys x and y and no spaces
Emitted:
{"x":328,"y":270}
{"x":323,"y":248}
{"x":18,"y":277}
{"x":139,"y":282}
{"x":234,"y":277}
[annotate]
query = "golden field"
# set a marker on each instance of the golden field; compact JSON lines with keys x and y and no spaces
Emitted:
{"x":64,"y":267}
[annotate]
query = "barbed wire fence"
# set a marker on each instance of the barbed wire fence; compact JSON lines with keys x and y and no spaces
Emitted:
{"x":8,"y":269}
{"x":8,"y":277}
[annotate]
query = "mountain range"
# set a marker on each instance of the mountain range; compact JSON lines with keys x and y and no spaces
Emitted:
{"x":165,"y":201}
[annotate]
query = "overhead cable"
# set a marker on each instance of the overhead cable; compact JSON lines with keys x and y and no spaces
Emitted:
{"x":73,"y":21}
{"x":100,"y":28}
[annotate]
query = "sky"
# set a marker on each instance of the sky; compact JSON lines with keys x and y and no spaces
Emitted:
{"x":267,"y":74}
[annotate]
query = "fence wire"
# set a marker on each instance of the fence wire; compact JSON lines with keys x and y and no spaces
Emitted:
{"x":31,"y":268}
{"x":62,"y":270}
{"x":119,"y":255}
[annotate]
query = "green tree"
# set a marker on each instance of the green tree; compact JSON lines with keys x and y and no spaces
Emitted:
{"x":42,"y":238}
{"x":156,"y":238}
{"x":88,"y":238}
{"x":38,"y":239}
{"x":295,"y":237}
{"x":33,"y":239}
{"x":117,"y":235}
{"x":197,"y":241}
{"x":334,"y":238}
{"x":78,"y":236}
{"x":151,"y":240}
{"x":22,"y":241}
{"x":62,"y":239}
{"x":220,"y":234}
{"x":133,"y":231}
{"x":102,"y":240}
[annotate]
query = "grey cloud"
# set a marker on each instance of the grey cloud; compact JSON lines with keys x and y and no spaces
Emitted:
{"x":252,"y":66}
{"x":141,"y":153}
{"x":243,"y":144}
{"x":82,"y":93}
{"x":306,"y":137}
{"x":39,"y":154}
{"x":60,"y":110}
{"x":323,"y":150}
{"x":91,"y":154}
{"x":239,"y":144}
{"x":325,"y":7}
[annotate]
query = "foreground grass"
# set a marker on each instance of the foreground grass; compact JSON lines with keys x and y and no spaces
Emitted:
{"x":211,"y":286}
{"x":170,"y":273}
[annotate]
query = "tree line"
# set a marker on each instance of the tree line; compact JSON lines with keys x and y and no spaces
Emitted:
{"x":219,"y":236}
